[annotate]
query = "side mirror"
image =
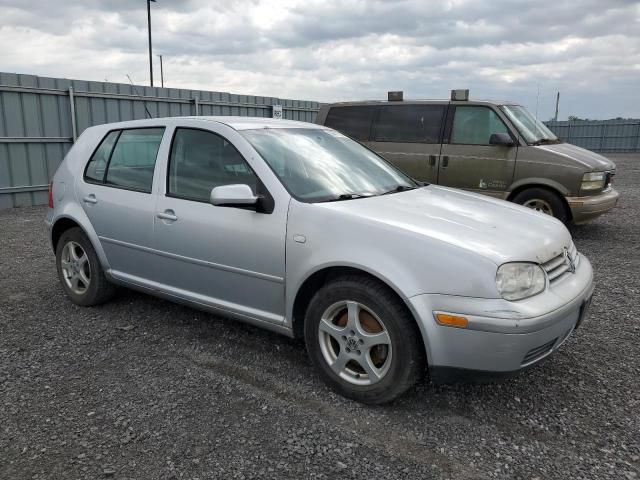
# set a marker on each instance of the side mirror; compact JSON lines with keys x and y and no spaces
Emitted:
{"x":503,"y":139}
{"x":233,"y":196}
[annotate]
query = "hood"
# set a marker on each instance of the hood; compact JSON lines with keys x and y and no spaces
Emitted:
{"x":496,"y":229}
{"x":590,"y":160}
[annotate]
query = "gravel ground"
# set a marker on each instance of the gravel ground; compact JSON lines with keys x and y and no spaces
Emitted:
{"x":142,"y":388}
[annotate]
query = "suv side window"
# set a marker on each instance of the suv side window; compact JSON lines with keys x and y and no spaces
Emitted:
{"x":409,"y":124}
{"x":97,"y":166}
{"x":201,"y":160}
{"x":474,"y":125}
{"x":134,"y":158}
{"x":353,"y":121}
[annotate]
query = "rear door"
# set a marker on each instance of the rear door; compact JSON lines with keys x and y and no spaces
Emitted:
{"x":468,"y":160}
{"x":116,"y":194}
{"x":409,"y":136}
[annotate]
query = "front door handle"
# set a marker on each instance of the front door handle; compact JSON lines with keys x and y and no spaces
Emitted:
{"x":445,"y":161}
{"x":91,"y":198}
{"x":167,"y":215}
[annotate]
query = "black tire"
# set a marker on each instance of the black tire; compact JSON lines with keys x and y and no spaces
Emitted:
{"x":99,"y":290}
{"x":551,"y":199}
{"x":407,"y":363}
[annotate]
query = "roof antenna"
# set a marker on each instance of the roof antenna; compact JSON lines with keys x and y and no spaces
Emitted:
{"x":136,"y":90}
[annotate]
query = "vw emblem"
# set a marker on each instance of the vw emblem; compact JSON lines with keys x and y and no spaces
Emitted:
{"x":569,"y":261}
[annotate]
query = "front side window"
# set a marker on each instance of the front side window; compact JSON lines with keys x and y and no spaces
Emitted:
{"x":134,"y":158}
{"x":353,"y":121}
{"x":318,"y":165}
{"x":409,"y":124}
{"x":201,"y":161}
{"x":475,"y":125}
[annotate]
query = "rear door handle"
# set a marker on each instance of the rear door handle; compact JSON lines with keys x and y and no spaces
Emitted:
{"x":445,"y":161}
{"x":167,"y":215}
{"x":91,"y":198}
{"x":432,"y":160}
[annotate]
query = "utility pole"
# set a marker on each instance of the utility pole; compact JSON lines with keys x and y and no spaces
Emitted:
{"x":161,"y":73}
{"x":149,"y":28}
{"x":555,"y":117}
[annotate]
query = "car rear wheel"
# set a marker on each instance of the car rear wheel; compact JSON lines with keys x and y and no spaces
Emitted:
{"x":79,"y":270}
{"x":363,"y":340}
{"x":544,"y":201}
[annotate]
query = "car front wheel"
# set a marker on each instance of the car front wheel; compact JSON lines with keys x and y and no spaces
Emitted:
{"x":544,"y":201}
{"x":363,"y":340}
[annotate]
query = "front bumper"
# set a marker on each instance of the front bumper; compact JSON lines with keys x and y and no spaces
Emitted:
{"x":502,"y":337}
{"x":584,"y":209}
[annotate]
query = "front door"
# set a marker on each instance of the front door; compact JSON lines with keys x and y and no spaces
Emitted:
{"x":469,"y":161}
{"x":116,"y":194}
{"x":226,"y":257}
{"x":409,"y":137}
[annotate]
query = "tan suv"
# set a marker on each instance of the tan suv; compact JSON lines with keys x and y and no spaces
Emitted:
{"x":495,"y":148}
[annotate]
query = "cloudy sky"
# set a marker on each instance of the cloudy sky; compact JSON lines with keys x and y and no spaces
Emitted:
{"x":328,"y":50}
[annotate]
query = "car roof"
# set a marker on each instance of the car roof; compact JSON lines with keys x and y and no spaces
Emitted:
{"x":422,"y":102}
{"x":237,"y":123}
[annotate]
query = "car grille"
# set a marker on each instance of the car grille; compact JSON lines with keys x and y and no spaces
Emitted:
{"x":558,"y":266}
{"x":538,"y":352}
{"x":608,"y":180}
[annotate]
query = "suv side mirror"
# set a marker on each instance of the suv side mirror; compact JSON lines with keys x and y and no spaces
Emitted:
{"x":501,"y":139}
{"x":233,"y":196}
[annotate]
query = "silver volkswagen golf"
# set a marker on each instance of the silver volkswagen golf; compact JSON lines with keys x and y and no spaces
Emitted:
{"x":298,"y":229}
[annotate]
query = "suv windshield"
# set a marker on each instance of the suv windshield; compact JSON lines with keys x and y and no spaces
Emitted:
{"x":318,"y":165}
{"x":533,"y":130}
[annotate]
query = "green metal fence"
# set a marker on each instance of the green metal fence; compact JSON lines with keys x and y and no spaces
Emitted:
{"x":40,"y":118}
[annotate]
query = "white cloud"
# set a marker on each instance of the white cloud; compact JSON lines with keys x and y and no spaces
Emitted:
{"x":349,"y":49}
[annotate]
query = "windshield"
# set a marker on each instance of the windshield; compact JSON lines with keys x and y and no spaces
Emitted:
{"x":318,"y":165}
{"x":532,"y":129}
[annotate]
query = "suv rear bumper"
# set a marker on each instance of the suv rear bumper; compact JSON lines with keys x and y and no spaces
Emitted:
{"x":584,"y":209}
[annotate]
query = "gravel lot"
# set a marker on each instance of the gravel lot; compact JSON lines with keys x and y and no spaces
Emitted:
{"x":142,"y":388}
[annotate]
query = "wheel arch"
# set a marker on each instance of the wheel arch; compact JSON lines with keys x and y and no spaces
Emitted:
{"x":549,"y":185}
{"x":322,"y":276}
{"x":64,"y":222}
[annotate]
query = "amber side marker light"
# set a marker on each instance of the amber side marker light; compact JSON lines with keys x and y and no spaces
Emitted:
{"x":451,"y":320}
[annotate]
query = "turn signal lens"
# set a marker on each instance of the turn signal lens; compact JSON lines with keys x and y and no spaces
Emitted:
{"x":451,"y":320}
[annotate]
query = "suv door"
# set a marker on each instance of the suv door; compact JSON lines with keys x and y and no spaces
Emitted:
{"x":227,"y":257}
{"x":115,"y":193}
{"x":468,"y":160}
{"x":409,"y":136}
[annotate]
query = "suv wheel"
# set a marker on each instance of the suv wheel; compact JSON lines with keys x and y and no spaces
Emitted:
{"x":79,"y":270}
{"x":363,"y":341}
{"x":543,"y":200}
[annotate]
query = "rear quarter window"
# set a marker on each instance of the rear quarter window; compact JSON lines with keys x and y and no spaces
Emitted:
{"x":353,"y":121}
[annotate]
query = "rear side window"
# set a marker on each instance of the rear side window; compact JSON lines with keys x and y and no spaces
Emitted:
{"x":201,"y":161}
{"x":97,"y":166}
{"x":474,"y":125}
{"x":409,"y":124}
{"x":126,"y":159}
{"x":134,"y":158}
{"x":354,"y":121}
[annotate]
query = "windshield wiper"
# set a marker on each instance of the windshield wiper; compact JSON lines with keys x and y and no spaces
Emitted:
{"x":398,"y":188}
{"x":346,"y":196}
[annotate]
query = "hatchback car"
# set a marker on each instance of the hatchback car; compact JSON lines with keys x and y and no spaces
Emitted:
{"x":298,"y":229}
{"x":495,"y":148}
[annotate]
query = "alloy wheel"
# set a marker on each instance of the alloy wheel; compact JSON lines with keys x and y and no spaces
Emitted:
{"x":355,"y":343}
{"x":76,"y":269}
{"x":539,"y":205}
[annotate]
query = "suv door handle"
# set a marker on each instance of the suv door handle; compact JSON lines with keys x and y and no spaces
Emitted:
{"x":432,"y":160}
{"x":167,"y":215}
{"x":91,"y":198}
{"x":445,"y":161}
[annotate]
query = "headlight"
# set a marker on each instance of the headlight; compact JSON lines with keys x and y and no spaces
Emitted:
{"x":516,"y":281}
{"x":593,"y":181}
